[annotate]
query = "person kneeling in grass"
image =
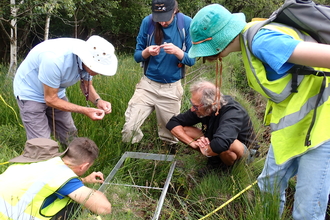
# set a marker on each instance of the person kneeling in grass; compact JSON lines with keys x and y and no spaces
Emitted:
{"x":42,"y":185}
{"x":227,"y":132}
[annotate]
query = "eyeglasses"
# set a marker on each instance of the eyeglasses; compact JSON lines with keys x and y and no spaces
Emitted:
{"x":195,"y":106}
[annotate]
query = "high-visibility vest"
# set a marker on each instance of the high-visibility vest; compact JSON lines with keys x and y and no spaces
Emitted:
{"x":290,"y":114}
{"x":25,"y":187}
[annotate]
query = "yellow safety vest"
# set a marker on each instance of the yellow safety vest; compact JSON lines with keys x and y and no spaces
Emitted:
{"x":25,"y":187}
{"x":289,"y":114}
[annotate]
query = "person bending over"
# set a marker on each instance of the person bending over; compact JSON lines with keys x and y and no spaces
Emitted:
{"x":42,"y":78}
{"x":42,"y":185}
{"x":299,"y":120}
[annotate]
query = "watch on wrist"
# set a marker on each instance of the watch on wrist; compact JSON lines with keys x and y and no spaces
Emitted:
{"x":96,"y":100}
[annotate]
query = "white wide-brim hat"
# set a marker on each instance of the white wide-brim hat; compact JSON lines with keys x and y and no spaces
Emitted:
{"x":98,"y":55}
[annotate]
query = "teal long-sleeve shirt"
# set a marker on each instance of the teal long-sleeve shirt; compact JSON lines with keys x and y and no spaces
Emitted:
{"x":164,"y":68}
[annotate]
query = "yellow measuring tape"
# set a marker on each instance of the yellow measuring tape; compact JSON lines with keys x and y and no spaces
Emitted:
{"x":229,"y":201}
{"x":11,"y":109}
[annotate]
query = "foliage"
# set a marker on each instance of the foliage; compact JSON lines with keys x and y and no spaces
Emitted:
{"x":118,"y":21}
{"x":189,"y":196}
{"x":13,"y":136}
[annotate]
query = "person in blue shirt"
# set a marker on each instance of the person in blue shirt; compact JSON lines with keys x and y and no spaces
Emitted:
{"x":43,"y":76}
{"x":164,"y":58}
{"x":48,"y":183}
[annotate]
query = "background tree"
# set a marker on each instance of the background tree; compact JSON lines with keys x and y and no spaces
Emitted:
{"x":118,"y":20}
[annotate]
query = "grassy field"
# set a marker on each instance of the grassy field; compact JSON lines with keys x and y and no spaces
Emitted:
{"x":217,"y":195}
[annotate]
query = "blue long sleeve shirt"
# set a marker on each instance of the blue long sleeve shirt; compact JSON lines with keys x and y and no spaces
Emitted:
{"x":164,"y":67}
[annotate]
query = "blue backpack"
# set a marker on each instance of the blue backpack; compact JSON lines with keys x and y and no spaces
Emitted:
{"x":182,"y":31}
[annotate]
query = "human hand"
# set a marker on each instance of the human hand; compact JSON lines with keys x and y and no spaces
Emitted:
{"x":95,"y":177}
{"x":204,"y":147}
{"x":194,"y":144}
{"x":104,"y":105}
{"x":203,"y":141}
{"x":154,"y":50}
{"x":94,"y":113}
{"x":170,"y":48}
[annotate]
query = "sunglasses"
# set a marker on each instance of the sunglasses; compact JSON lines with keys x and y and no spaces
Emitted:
{"x":195,"y":106}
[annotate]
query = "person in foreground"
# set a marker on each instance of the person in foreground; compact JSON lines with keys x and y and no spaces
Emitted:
{"x":42,"y":185}
{"x":164,"y":55}
{"x":300,"y":139}
{"x":227,"y":131}
{"x":43,"y":76}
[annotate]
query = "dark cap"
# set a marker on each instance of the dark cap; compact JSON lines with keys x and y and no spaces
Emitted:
{"x":162,"y":10}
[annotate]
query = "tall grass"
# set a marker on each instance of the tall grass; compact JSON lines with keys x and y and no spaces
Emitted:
{"x":189,"y":196}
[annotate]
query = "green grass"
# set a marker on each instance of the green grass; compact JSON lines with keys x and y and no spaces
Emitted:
{"x":189,"y":196}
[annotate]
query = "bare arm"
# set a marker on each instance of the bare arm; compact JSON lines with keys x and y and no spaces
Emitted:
{"x":92,"y":199}
{"x":311,"y":54}
{"x":93,"y":95}
{"x":95,"y":177}
{"x":52,"y":100}
{"x":187,"y":135}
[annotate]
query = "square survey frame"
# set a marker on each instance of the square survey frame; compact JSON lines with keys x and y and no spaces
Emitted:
{"x":147,"y":156}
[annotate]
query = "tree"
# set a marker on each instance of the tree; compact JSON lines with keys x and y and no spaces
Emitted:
{"x":12,"y":23}
{"x":27,"y":10}
{"x":117,"y":20}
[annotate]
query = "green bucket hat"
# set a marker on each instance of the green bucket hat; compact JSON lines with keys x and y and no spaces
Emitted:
{"x":212,"y":29}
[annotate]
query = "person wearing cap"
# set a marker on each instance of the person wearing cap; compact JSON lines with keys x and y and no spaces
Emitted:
{"x":42,"y":185}
{"x":300,"y":143}
{"x":43,"y":76}
{"x":226,"y":133}
{"x":164,"y":56}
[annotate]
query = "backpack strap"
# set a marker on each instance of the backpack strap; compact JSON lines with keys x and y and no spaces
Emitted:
{"x":319,"y":96}
{"x":252,"y":31}
{"x":182,"y":31}
{"x":303,"y":70}
{"x":150,"y":33}
{"x":180,"y":26}
{"x":151,"y":28}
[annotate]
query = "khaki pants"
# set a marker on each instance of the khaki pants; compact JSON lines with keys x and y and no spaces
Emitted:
{"x":149,"y":95}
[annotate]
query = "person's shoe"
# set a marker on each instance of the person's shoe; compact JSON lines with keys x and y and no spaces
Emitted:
{"x":253,"y":153}
{"x":172,"y":148}
{"x":256,"y":148}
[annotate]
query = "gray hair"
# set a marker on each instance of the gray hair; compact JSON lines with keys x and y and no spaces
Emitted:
{"x":209,"y":92}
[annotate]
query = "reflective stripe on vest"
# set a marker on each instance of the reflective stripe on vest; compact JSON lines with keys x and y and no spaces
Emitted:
{"x":290,"y":114}
{"x":28,"y":205}
{"x":295,"y":117}
{"x":260,"y":82}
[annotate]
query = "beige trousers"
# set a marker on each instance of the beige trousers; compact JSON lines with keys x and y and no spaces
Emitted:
{"x":149,"y":95}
